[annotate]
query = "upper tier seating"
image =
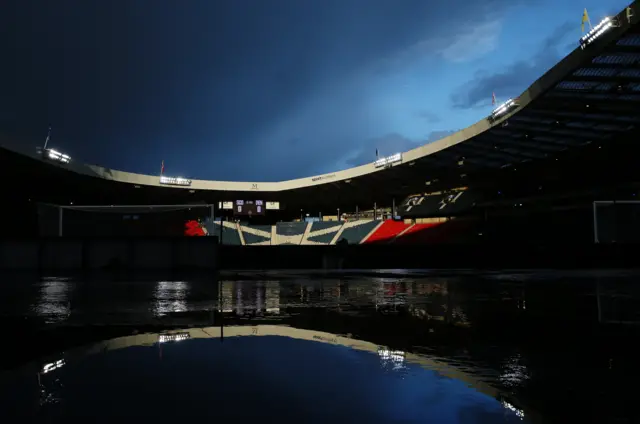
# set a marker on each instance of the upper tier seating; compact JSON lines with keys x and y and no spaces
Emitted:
{"x":440,"y":204}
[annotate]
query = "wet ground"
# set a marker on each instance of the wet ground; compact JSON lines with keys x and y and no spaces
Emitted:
{"x":540,"y":345}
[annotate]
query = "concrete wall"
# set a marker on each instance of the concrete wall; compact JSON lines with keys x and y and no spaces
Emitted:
{"x":60,"y":253}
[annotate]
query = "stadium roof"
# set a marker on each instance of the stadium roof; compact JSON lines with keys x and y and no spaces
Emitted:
{"x":591,"y":96}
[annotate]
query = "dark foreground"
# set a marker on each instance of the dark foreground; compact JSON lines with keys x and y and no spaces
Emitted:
{"x":449,"y":347}
{"x":439,"y":256}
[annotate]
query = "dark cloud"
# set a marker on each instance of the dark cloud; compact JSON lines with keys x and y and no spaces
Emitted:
{"x":245,"y":89}
{"x":511,"y":81}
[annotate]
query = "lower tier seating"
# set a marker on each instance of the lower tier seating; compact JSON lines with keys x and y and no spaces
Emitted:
{"x":387,"y":232}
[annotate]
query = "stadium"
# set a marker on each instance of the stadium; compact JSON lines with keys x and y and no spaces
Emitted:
{"x":558,"y":163}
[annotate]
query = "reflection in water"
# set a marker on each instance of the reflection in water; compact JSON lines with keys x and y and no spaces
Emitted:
{"x":519,"y":336}
{"x":52,"y":302}
{"x":170,"y":296}
{"x":514,"y":373}
{"x":393,"y":359}
{"x":340,"y":372}
{"x":176,"y":337}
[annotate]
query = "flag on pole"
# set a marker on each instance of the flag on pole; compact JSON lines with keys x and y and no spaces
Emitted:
{"x":585,"y":19}
{"x":493,"y":99}
{"x":46,"y":140}
{"x":162,"y":168}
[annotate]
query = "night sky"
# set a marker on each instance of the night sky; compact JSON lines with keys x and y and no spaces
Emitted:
{"x":260,"y":90}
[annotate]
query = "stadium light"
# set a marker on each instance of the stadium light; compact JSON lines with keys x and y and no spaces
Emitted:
{"x":175,"y":181}
{"x":178,"y":337}
{"x":57,"y":156}
{"x":503,"y":108}
{"x":595,"y":32}
{"x":388,"y":160}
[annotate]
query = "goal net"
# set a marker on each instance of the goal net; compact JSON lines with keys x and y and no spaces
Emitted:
{"x":616,"y":221}
{"x":124,"y":220}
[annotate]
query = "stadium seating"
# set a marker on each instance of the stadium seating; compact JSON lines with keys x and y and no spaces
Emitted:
{"x":364,"y":231}
{"x":256,"y":235}
{"x":322,"y":232}
{"x":289,"y":233}
{"x":418,"y":234}
{"x":387,"y":232}
{"x":438,"y":204}
{"x":354,"y":232}
{"x":230,"y":234}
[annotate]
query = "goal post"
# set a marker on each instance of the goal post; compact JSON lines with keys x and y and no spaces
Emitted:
{"x":616,"y":221}
{"x":124,"y":220}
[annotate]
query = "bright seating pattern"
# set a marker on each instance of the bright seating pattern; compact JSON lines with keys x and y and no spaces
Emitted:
{"x":354,"y":232}
{"x":256,"y":235}
{"x":289,"y":233}
{"x":322,"y":232}
{"x":328,"y":232}
{"x":387,"y":232}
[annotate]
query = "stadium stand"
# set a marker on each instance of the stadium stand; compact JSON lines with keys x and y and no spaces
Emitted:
{"x":322,"y":232}
{"x":387,"y":232}
{"x":355,"y":232}
{"x":438,"y":204}
{"x":230,"y":233}
{"x":257,"y":235}
{"x":289,"y":233}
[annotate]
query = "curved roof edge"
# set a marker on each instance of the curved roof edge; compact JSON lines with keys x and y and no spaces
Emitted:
{"x":545,"y":82}
{"x":150,"y":339}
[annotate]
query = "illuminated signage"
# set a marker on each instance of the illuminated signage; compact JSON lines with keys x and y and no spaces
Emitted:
{"x":389,"y":160}
{"x":175,"y":181}
{"x":272,"y":206}
{"x":225,"y":205}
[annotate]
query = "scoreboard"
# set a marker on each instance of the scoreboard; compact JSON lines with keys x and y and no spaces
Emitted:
{"x":248,"y":207}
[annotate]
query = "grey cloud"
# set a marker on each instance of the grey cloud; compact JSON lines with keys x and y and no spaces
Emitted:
{"x":449,"y":31}
{"x":514,"y":79}
{"x":429,"y":117}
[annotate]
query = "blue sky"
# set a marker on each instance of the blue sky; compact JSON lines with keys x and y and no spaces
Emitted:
{"x":265,"y":91}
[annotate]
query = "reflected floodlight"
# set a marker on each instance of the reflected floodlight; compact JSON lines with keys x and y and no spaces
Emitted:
{"x":177,"y":337}
{"x":57,"y":156}
{"x":52,"y":366}
{"x":388,"y":160}
{"x":504,"y":108}
{"x":175,"y":181}
{"x":596,"y":32}
{"x":519,"y":412}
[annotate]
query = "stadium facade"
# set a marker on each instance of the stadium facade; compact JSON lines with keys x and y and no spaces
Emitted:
{"x":531,"y":171}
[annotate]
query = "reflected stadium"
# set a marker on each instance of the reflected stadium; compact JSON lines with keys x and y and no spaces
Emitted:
{"x":538,"y":344}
